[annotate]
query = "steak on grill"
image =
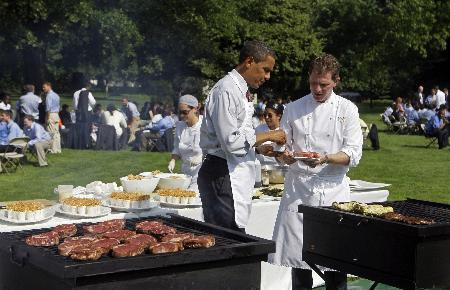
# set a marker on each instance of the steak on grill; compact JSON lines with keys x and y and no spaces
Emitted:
{"x":105,"y":244}
{"x":66,"y":230}
{"x":176,"y":238}
{"x":127,"y":250}
{"x":142,"y":239}
{"x":147,"y":225}
{"x":115,"y":224}
{"x":166,"y":247}
{"x":204,"y":241}
{"x":392,"y":216}
{"x":121,"y":235}
{"x":104,"y":227}
{"x":86,"y":253}
{"x":66,"y":248}
{"x":85,"y":239}
{"x":158,"y":231}
{"x":43,"y":240}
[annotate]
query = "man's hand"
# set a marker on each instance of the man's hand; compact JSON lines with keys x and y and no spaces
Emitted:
{"x":287,"y":157}
{"x":322,"y":159}
{"x":267,"y":150}
{"x":278,"y":136}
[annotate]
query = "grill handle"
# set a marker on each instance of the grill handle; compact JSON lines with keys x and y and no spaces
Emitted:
{"x":362,"y":222}
{"x":340,"y":219}
{"x":18,"y":257}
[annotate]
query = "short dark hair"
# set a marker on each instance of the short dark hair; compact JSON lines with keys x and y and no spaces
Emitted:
{"x":255,"y":49}
{"x":47,"y":84}
{"x":65,"y":106}
{"x":325,"y":63}
{"x":29,"y":117}
{"x":29,"y":88}
{"x":278,"y":108}
{"x":8,"y":112}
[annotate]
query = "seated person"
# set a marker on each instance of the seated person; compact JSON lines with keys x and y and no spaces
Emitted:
{"x":113,"y":117}
{"x":399,"y":110}
{"x":97,"y":114}
{"x":40,"y":139}
{"x":8,"y":130}
{"x":146,"y":137}
{"x":438,"y":126}
{"x":272,"y":117}
{"x":64,"y":115}
{"x":412,"y":116}
{"x":426,"y":113}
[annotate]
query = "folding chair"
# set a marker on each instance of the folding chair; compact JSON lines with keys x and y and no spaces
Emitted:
{"x":433,"y":138}
{"x":12,"y":159}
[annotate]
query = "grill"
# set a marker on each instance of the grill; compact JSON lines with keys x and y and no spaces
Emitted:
{"x":389,"y":252}
{"x":219,"y":267}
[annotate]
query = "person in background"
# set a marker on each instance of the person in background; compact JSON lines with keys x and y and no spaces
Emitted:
{"x":187,"y":138}
{"x":113,"y":117}
{"x":8,"y":130}
{"x":388,"y":112}
{"x":431,"y":99}
{"x":147,"y":136}
{"x":440,"y":97}
{"x":64,"y":115}
{"x":52,"y":116}
{"x":272,"y":116}
{"x":418,"y":96}
{"x":412,"y":116}
{"x":40,"y":139}
{"x":97,"y":114}
{"x":5,"y":101}
{"x":258,"y":119}
{"x":399,"y":110}
{"x":447,"y":97}
{"x":28,"y":104}
{"x":438,"y":126}
{"x":83,"y":103}
{"x":132,"y":115}
{"x":426,"y":112}
{"x":320,"y":122}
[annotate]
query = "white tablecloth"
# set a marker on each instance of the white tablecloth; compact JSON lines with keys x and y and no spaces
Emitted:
{"x":261,"y":224}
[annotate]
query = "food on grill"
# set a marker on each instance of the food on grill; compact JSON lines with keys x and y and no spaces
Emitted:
{"x":166,"y":247}
{"x":142,"y":239}
{"x":128,"y":250}
{"x":408,"y":219}
{"x":155,"y":228}
{"x":43,"y":240}
{"x":86,"y":253}
{"x":121,"y":235}
{"x":103,"y":227}
{"x":82,"y":206}
{"x":145,"y":225}
{"x":24,"y":210}
{"x":65,"y":231}
{"x":66,"y":248}
{"x":176,"y":238}
{"x":362,"y":208}
{"x":129,"y":199}
{"x":178,"y":196}
{"x":106,"y":244}
{"x":204,"y":241}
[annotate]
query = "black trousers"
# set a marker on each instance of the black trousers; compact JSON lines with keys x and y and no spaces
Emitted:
{"x":442,"y":135}
{"x":302,"y":280}
{"x":216,"y":194}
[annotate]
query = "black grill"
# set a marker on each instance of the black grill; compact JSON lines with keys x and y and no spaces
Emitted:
{"x":391,"y":252}
{"x":230,"y":247}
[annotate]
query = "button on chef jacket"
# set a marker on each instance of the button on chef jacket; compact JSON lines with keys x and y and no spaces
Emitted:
{"x":329,"y":127}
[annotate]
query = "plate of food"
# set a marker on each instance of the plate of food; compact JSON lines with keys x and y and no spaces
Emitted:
{"x":173,"y":181}
{"x":26,"y":212}
{"x":130,"y":201}
{"x":139,"y":183}
{"x":178,"y":197}
{"x":80,"y":207}
{"x":307,"y":156}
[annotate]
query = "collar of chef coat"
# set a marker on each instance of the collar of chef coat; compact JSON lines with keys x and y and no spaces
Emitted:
{"x":331,"y":99}
{"x":241,"y":82}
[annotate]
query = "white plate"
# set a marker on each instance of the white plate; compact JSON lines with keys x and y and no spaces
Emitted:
{"x":361,"y":185}
{"x":179,"y":205}
{"x":104,"y":211}
{"x":49,"y":214}
{"x":309,"y":159}
{"x":153,"y":204}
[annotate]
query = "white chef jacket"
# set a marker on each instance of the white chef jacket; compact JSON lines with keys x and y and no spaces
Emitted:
{"x":186,"y":145}
{"x":328,"y":127}
{"x":265,"y":160}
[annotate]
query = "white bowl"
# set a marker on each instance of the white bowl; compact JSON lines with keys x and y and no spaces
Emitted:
{"x":145,"y":185}
{"x":166,"y":181}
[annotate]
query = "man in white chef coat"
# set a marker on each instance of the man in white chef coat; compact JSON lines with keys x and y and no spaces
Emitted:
{"x":227,"y":138}
{"x":320,"y":122}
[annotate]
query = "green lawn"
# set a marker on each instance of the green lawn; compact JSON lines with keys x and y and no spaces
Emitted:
{"x":403,"y":161}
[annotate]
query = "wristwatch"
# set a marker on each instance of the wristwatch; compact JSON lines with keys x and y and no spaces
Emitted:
{"x":326,"y":160}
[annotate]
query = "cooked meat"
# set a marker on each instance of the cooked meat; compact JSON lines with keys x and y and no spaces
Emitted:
{"x":66,"y":248}
{"x":176,"y":238}
{"x":96,"y":229}
{"x":128,"y":250}
{"x":80,"y":238}
{"x":66,"y":230}
{"x":86,"y":253}
{"x":121,"y":235}
{"x":43,"y":240}
{"x":166,"y":247}
{"x":393,"y":216}
{"x":159,"y":231}
{"x":105,"y":244}
{"x":204,"y":241}
{"x":408,"y":219}
{"x":115,"y":224}
{"x":142,"y":239}
{"x":147,"y":225}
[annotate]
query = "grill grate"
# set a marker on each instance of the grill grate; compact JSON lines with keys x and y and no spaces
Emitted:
{"x":440,"y":213}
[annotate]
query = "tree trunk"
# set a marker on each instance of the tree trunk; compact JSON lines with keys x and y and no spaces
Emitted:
{"x":33,"y":66}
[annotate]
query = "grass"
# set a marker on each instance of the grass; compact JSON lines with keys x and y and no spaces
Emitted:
{"x":403,"y":161}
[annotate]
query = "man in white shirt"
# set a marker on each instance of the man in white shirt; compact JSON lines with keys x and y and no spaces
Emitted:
{"x":328,"y":124}
{"x":227,"y":176}
{"x":440,"y":97}
{"x":132,"y":115}
{"x":83,"y":102}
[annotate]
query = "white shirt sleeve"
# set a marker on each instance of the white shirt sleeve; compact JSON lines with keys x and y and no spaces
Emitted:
{"x":176,"y":140}
{"x":353,"y":138}
{"x":75,"y":100}
{"x":233,"y":139}
{"x":285,"y":125}
{"x":91,"y":100}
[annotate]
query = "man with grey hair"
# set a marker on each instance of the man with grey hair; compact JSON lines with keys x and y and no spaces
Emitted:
{"x":227,"y":176}
{"x":418,"y":96}
{"x":29,"y":103}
